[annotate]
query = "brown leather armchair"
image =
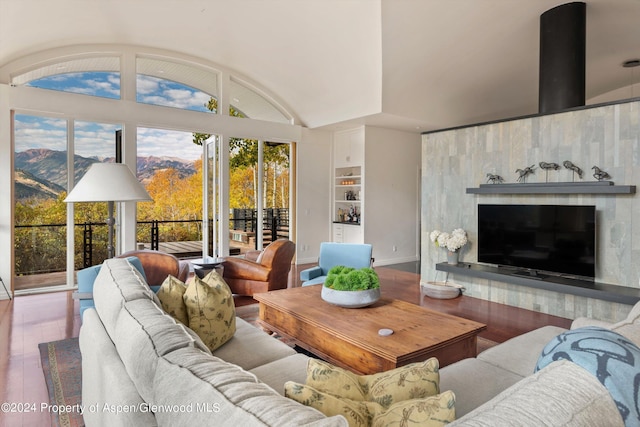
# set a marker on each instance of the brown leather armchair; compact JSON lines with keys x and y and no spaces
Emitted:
{"x":158,"y":265}
{"x":270,"y":271}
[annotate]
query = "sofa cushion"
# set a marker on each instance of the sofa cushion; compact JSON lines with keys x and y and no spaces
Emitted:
{"x":211,"y":309}
{"x":143,"y":333}
{"x":520,"y":354}
{"x":221,"y":393}
{"x":241,"y":348}
{"x":562,"y":394}
{"x":118,"y":282}
{"x":276,"y":373}
{"x":171,"y":296}
{"x":433,"y":411}
{"x":608,"y":356}
{"x":474,"y":382}
{"x":416,"y":380}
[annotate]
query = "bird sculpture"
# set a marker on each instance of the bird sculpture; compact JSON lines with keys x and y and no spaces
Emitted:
{"x":523,"y":173}
{"x":569,"y":165}
{"x":599,"y":174}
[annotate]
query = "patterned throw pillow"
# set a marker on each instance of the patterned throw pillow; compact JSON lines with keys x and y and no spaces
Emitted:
{"x":357,"y":413}
{"x":212,"y":313}
{"x":171,"y":294}
{"x":416,"y":380}
{"x":610,"y":357}
{"x":434,"y":411}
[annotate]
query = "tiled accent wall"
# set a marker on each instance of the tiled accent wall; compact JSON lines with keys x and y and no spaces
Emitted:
{"x":606,"y":136}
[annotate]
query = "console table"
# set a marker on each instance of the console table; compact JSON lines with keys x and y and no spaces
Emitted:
{"x":585,"y":288}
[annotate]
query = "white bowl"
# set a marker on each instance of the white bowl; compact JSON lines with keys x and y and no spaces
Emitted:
{"x":441,"y":290}
{"x":350,"y":299}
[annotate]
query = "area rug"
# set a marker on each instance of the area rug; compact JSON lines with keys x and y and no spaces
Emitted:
{"x":61,"y":364}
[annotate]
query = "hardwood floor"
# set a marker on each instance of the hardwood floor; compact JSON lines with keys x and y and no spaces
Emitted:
{"x":31,"y":319}
{"x":24,"y":323}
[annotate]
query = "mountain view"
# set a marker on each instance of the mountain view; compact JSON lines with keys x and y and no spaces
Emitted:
{"x":42,"y":173}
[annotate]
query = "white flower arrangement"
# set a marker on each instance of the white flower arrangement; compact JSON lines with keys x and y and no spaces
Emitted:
{"x":451,"y":241}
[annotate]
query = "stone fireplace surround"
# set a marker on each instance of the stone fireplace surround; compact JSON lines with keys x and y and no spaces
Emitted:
{"x":607,"y":136}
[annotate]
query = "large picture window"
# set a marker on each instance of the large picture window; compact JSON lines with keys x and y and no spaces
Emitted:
{"x":126,"y":120}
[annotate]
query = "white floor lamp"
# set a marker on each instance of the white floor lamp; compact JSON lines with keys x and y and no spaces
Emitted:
{"x":108,"y":182}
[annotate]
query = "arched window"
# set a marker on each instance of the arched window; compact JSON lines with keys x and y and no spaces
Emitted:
{"x":130,"y":91}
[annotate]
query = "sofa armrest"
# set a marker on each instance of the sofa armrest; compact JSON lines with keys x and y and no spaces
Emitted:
{"x":310,"y":273}
{"x":581,"y":322}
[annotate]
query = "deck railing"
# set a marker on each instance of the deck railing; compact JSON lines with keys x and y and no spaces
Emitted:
{"x":41,"y":248}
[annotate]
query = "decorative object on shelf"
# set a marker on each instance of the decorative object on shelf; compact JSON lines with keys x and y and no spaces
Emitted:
{"x":350,"y":287}
{"x":576,"y":170}
{"x":441,"y":290}
{"x":452,"y":257}
{"x":350,"y":195}
{"x":523,"y":173}
{"x":494,"y":179}
{"x":452,"y":242}
{"x":599,"y":174}
{"x":546,"y":166}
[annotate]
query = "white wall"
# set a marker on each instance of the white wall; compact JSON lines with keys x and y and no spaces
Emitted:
{"x":392,"y":177}
{"x":313,"y":199}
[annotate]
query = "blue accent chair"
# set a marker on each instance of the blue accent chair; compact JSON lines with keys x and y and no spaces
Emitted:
{"x":87,"y":276}
{"x":354,"y":255}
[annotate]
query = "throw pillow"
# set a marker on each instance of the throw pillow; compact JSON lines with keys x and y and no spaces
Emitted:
{"x":357,"y":413}
{"x":416,"y":380}
{"x":211,"y":311}
{"x":609,"y":356}
{"x":171,"y":295}
{"x":434,"y":411}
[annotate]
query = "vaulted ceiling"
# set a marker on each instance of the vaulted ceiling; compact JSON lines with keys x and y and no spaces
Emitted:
{"x":415,"y":65}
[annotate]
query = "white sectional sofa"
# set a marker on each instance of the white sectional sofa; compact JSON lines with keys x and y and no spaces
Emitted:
{"x":142,"y":368}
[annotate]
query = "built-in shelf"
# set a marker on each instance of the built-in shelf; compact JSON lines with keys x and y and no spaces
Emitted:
{"x":573,"y":286}
{"x":593,"y":187}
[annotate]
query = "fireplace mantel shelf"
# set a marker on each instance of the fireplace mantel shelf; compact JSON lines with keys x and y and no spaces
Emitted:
{"x":573,"y":286}
{"x":590,"y":187}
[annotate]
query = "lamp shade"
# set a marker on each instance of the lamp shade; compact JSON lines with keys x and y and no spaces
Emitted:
{"x":108,"y":182}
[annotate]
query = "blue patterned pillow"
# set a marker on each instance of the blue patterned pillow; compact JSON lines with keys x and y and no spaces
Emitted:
{"x":609,"y":356}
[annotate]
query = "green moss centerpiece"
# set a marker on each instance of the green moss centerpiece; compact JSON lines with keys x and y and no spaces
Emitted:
{"x":351,"y":288}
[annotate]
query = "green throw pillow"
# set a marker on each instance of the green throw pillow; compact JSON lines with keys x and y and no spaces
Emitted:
{"x":416,"y":380}
{"x":171,"y":294}
{"x":211,"y":310}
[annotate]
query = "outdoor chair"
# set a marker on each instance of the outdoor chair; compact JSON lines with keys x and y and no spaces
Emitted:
{"x":356,"y":255}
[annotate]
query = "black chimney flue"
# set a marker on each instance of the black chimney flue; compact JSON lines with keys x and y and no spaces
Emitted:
{"x":562,"y":58}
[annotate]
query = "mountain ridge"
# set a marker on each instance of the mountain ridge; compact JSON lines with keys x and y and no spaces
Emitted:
{"x":42,"y":173}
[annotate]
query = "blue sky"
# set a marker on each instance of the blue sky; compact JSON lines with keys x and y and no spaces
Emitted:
{"x":96,"y":139}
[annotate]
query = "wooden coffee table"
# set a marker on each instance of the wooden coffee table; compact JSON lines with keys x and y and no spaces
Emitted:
{"x":348,"y":337}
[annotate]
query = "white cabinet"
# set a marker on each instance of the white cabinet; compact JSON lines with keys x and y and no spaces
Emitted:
{"x":347,"y":233}
{"x":348,"y":148}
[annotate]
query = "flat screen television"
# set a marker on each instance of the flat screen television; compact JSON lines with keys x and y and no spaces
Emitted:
{"x":558,"y":239}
